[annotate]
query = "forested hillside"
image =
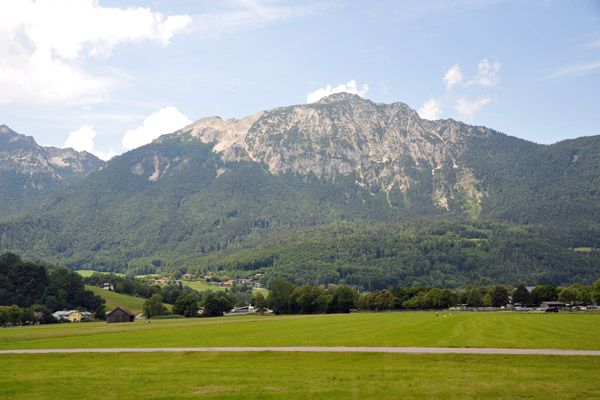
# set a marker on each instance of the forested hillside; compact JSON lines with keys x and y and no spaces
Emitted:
{"x":392,"y":200}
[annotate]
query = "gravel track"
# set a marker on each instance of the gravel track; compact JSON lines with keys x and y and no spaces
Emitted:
{"x":341,"y":349}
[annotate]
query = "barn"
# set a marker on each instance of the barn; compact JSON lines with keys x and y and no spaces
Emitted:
{"x":119,"y":314}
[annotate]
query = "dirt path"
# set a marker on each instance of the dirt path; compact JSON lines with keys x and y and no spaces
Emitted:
{"x":409,"y":350}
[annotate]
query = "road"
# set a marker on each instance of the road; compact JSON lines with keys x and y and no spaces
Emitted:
{"x":405,"y":350}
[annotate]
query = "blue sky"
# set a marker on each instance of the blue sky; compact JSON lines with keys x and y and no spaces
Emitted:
{"x":108,"y":76}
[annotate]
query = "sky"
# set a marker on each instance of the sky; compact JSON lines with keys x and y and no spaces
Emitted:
{"x":107,"y":76}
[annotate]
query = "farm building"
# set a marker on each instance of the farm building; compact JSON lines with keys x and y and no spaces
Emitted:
{"x":552,"y":304}
{"x":119,"y":314}
{"x":108,"y":286}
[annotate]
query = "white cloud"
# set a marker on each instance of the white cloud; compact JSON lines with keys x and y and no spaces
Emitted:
{"x":83,"y":140}
{"x":166,"y":120}
{"x":466,"y":107}
{"x":453,"y":77}
{"x":431,"y":110}
{"x":349,"y":87}
{"x":486,"y":74}
{"x":44,"y":43}
{"x":574,"y":70}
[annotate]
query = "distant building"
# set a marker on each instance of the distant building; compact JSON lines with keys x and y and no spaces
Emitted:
{"x":243,"y":310}
{"x":548,"y":304}
{"x":71,"y":315}
{"x":108,"y":286}
{"x":119,"y":314}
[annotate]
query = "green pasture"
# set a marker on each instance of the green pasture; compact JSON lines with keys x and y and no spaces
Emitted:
{"x":202,"y":286}
{"x":462,"y":329}
{"x":88,"y":272}
{"x":288,"y":375}
{"x":113,"y":299}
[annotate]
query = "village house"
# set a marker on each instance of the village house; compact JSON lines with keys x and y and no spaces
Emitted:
{"x":71,"y":315}
{"x":108,"y":286}
{"x":237,"y":282}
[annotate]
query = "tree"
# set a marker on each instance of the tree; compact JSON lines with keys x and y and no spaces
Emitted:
{"x":305,"y":300}
{"x":474,"y":297}
{"x":14,"y":314}
{"x":215,"y":306}
{"x":100,"y":313}
{"x":576,"y":294}
{"x":4,"y":315}
{"x":186,"y":305}
{"x":260,"y":303}
{"x":154,"y":306}
{"x":279,"y":296}
{"x":596,"y":292}
{"x":544,"y":293}
{"x":568,"y":295}
{"x":343,"y":300}
{"x":499,"y":295}
{"x":521,"y":296}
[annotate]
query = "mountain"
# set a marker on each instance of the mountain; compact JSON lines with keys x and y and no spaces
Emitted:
{"x":342,"y":190}
{"x":29,"y":172}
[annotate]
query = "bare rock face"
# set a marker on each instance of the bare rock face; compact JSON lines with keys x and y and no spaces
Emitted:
{"x":382,"y":145}
{"x":28,"y":171}
{"x":21,"y":154}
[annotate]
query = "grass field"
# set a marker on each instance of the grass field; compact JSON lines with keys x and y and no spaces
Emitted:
{"x":113,"y":300}
{"x":267,"y":375}
{"x":294,"y":375}
{"x":515,"y":330}
{"x":202,"y":286}
{"x":88,"y":272}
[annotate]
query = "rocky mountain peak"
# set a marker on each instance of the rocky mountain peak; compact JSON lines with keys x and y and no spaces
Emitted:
{"x":342,"y":96}
{"x":26,"y":167}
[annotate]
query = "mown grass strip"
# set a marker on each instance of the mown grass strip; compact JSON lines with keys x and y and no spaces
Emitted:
{"x":508,"y":330}
{"x":287,"y":375}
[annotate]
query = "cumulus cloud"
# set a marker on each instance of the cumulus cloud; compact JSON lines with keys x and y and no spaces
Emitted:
{"x":349,"y":87}
{"x":431,"y":110}
{"x":466,"y":107}
{"x":486,"y":74}
{"x":166,"y":120}
{"x":83,"y":140}
{"x":44,"y":43}
{"x":453,"y":77}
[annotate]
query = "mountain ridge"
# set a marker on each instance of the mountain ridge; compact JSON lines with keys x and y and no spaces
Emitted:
{"x":29,"y":172}
{"x":229,"y":189}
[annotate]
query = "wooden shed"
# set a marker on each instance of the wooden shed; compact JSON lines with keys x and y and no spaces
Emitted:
{"x":119,"y":314}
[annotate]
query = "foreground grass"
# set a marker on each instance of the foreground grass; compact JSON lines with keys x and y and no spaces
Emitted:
{"x":514,"y":330}
{"x":267,"y":375}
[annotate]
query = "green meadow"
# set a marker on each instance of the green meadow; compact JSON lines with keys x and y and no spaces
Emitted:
{"x":267,"y":375}
{"x":294,"y":375}
{"x":89,"y":272}
{"x":462,"y":329}
{"x":113,"y":299}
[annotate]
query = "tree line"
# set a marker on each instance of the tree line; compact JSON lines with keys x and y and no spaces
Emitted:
{"x":285,"y":298}
{"x":27,"y":288}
